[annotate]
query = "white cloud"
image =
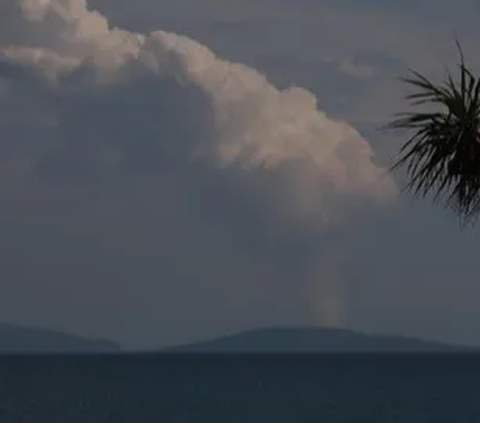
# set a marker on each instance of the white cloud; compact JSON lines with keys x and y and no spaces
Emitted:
{"x":254,"y":122}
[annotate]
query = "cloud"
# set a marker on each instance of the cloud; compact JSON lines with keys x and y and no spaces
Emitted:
{"x":142,"y":175}
{"x":392,"y":262}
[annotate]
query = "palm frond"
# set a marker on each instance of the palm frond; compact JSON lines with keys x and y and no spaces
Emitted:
{"x":442,"y":156}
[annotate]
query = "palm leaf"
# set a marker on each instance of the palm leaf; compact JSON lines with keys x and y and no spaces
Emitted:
{"x":442,"y":155}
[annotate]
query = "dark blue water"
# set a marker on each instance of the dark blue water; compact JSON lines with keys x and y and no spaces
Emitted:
{"x":229,"y":388}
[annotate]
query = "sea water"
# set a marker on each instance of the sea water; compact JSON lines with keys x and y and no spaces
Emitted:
{"x":241,"y":388}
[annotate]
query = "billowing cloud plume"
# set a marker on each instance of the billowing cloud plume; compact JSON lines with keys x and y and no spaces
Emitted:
{"x":182,"y":187}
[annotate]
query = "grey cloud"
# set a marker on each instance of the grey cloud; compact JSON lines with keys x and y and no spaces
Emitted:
{"x":155,"y":191}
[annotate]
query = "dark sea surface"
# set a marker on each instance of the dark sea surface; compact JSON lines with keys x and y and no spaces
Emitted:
{"x":241,"y":388}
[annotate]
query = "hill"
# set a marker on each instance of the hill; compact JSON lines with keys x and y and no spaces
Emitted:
{"x":312,"y":340}
{"x":27,"y":340}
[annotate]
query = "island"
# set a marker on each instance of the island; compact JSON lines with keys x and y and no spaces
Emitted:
{"x":17,"y":339}
{"x":313,"y":340}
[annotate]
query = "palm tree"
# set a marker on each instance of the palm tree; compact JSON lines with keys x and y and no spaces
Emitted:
{"x":442,"y":156}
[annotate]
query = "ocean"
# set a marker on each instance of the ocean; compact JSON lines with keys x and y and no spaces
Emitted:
{"x":241,"y":388}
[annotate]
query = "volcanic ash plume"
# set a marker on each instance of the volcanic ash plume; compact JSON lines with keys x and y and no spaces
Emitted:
{"x":98,"y":122}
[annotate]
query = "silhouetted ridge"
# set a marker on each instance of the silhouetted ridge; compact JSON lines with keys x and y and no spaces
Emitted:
{"x":20,"y":339}
{"x":311,"y":340}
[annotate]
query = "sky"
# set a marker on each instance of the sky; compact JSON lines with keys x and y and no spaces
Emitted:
{"x":173,"y":171}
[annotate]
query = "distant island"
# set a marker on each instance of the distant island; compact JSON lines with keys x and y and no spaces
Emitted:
{"x":16,"y":339}
{"x":313,"y":340}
